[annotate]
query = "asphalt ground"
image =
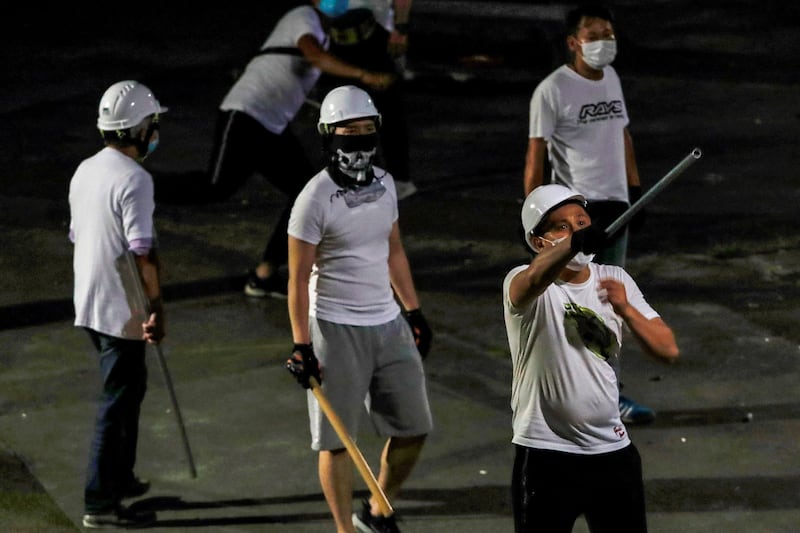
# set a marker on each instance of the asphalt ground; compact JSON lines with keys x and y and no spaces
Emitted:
{"x":718,"y":257}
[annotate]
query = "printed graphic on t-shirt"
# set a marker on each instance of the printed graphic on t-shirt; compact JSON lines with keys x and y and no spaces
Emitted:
{"x":599,"y":111}
{"x":355,"y":196}
{"x":596,"y":336}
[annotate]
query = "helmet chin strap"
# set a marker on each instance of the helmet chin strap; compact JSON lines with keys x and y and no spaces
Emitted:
{"x":142,"y":144}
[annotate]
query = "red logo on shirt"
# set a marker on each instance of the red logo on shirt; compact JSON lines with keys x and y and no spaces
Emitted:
{"x":620,"y":431}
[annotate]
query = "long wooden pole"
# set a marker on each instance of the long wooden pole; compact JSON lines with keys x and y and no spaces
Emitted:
{"x":358,"y":458}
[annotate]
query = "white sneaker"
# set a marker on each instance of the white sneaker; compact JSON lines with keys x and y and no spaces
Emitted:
{"x":405,"y":189}
{"x":121,"y":517}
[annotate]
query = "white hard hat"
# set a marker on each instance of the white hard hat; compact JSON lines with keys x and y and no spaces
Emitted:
{"x":344,"y":104}
{"x":126,"y":104}
{"x":541,"y":201}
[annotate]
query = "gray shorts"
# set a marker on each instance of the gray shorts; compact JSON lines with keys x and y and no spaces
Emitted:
{"x":373,"y":370}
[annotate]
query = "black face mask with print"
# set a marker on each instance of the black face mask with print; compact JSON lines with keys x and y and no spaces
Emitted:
{"x":351,"y":158}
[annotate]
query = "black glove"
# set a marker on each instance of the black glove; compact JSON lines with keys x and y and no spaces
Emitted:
{"x":590,"y":240}
{"x":637,"y":222}
{"x":422,"y":332}
{"x":303,"y":364}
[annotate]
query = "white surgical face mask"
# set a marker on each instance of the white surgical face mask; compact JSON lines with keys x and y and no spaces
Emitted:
{"x":579,"y":261}
{"x":576,"y":263}
{"x":598,"y":54}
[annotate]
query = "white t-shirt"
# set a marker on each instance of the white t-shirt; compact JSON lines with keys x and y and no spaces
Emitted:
{"x":350,"y":278}
{"x":274,"y":87}
{"x":111,"y":204}
{"x":582,"y":121}
{"x":565,"y":394}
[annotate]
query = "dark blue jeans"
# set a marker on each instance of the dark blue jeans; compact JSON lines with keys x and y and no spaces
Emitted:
{"x":113,"y":450}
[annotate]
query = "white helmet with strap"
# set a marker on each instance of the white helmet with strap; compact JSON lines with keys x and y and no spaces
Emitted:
{"x":344,"y":104}
{"x":540,"y":202}
{"x":125,"y":105}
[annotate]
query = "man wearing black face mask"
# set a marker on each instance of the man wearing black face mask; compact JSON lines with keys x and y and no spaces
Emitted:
{"x":347,"y":271}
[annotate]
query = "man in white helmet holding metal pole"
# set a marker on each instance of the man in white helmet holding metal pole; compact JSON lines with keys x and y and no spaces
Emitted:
{"x":565,"y":317}
{"x":111,"y":205}
{"x":347,"y":271}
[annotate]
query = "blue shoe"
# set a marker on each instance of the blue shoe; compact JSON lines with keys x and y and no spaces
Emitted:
{"x":633,"y":413}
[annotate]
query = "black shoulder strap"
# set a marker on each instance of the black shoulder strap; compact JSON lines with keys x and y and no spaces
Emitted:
{"x":288,"y":50}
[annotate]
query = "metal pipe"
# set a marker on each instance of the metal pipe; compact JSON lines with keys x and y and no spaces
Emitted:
{"x":647,"y":197}
{"x":136,"y":283}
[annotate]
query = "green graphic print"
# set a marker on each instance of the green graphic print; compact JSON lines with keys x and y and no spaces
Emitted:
{"x":590,"y":328}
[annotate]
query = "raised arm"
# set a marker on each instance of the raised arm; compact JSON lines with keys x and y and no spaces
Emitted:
{"x":542,"y":271}
{"x":398,"y":39}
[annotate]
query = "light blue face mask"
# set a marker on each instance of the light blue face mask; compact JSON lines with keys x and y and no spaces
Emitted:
{"x":152,"y":146}
{"x":333,"y":8}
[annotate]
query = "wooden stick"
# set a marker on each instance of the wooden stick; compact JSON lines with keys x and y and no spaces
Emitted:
{"x":358,"y":458}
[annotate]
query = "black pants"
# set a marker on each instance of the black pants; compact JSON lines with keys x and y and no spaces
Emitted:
{"x":550,"y":490}
{"x":242,"y":147}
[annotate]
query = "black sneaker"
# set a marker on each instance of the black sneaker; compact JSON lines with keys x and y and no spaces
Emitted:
{"x":274,"y":286}
{"x":366,"y":523}
{"x":121,"y":517}
{"x":137,"y":487}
